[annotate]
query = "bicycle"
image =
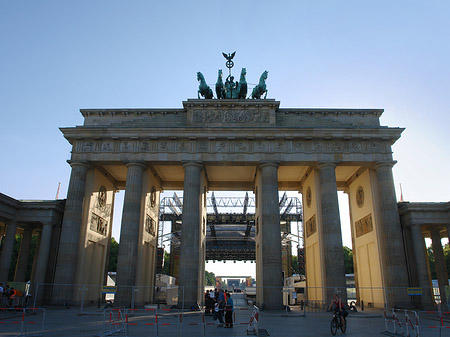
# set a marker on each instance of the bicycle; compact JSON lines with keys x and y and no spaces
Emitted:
{"x":336,"y":323}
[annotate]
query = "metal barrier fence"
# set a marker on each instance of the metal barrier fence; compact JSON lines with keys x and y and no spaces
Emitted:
{"x":23,"y":321}
{"x":94,"y":298}
{"x":169,"y":322}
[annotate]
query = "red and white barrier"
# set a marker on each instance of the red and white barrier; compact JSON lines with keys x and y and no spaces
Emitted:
{"x":25,"y":322}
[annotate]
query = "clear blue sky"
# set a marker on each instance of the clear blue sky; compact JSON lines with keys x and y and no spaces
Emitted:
{"x":59,"y":56}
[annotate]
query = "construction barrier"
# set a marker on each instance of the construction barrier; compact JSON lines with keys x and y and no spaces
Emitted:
{"x":427,"y":319}
{"x":252,"y":328}
{"x":405,"y":322}
{"x":168,"y":322}
{"x":24,"y":321}
{"x":113,"y":322}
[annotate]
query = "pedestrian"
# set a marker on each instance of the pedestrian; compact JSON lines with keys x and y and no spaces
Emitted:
{"x":221,"y":303}
{"x":217,"y":314}
{"x":229,"y":312}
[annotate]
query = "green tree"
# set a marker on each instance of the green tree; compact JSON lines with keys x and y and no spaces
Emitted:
{"x":14,"y":256}
{"x":294,"y":265}
{"x":348,"y":260}
{"x":432,"y":264}
{"x":210,"y":278}
{"x":114,"y":253}
{"x":166,"y":267}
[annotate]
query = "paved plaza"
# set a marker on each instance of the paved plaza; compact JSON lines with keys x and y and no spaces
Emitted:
{"x":59,"y":322}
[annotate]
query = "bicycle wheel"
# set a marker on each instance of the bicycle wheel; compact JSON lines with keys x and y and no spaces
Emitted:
{"x":334,"y":326}
{"x":344,"y":326}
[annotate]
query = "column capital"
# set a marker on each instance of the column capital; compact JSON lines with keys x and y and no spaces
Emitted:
{"x":192,"y":163}
{"x":74,"y":163}
{"x":135,"y":163}
{"x":269,"y":163}
{"x":325,"y":164}
{"x":381,"y":164}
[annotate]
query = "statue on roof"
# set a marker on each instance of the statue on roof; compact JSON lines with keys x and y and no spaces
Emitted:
{"x":231,"y":89}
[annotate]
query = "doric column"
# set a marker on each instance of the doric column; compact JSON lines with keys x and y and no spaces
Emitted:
{"x":420,"y":256}
{"x":448,"y":232}
{"x":395,"y":275}
{"x":332,"y":248}
{"x":24,"y":255}
{"x":66,"y":265}
{"x":43,"y":253}
{"x":7,"y":250}
{"x":270,"y":238}
{"x":439,"y":261}
{"x":129,"y":232}
{"x":190,"y":235}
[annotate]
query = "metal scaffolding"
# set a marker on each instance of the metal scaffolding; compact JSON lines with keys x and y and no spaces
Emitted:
{"x":230,"y":233}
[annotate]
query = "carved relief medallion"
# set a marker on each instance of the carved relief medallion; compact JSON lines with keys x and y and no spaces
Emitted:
{"x":360,"y":196}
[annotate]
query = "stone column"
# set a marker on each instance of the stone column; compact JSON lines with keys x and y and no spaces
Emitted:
{"x":332,"y":248}
{"x":24,"y":255}
{"x":439,"y":262}
{"x":421,"y":265}
{"x":66,"y":266}
{"x":270,"y":239}
{"x":42,"y":259}
{"x":129,"y":233}
{"x":394,"y":270}
{"x":448,"y":232}
{"x":7,"y":250}
{"x":190,"y":235}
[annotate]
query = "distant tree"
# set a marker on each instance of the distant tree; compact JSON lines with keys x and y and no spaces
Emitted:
{"x":294,"y":265}
{"x":114,"y":253}
{"x":432,"y":263}
{"x":210,"y":278}
{"x":15,"y":254}
{"x":166,"y":269}
{"x":348,"y":260}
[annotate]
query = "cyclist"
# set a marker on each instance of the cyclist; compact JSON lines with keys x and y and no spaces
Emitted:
{"x":337,"y":305}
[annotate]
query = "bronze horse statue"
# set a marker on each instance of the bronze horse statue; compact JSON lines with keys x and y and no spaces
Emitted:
{"x":261,"y":87}
{"x":203,"y":88}
{"x":242,"y":87}
{"x":219,"y":86}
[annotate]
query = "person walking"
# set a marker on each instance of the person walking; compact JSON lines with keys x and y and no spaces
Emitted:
{"x":229,"y":312}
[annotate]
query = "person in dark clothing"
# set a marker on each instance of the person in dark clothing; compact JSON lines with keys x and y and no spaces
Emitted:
{"x":229,"y":312}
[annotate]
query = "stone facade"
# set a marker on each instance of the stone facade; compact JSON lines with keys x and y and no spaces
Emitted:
{"x":245,"y":145}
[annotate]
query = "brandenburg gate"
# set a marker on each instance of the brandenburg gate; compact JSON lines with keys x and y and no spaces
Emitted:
{"x":233,"y":144}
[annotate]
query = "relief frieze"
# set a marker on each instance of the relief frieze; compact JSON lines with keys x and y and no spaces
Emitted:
{"x":262,"y":146}
{"x":144,"y":146}
{"x":183,"y":146}
{"x":126,"y":146}
{"x":222,"y":146}
{"x":266,"y":145}
{"x":150,"y":225}
{"x":311,"y":226}
{"x":163,"y":146}
{"x":98,"y":224}
{"x":241,"y":146}
{"x":230,"y":116}
{"x":202,"y":146}
{"x":107,"y":147}
{"x":364,"y":226}
{"x":88,"y":146}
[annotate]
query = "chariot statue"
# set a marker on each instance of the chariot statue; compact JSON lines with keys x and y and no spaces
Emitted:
{"x":231,"y":89}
